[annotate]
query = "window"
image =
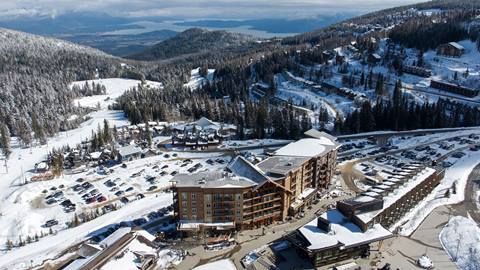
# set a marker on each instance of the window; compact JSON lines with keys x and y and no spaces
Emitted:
{"x":239,"y":196}
{"x":184,"y":204}
{"x":194,"y":217}
{"x":193,"y":196}
{"x":209,"y":205}
{"x":184,"y":195}
{"x":209,"y":212}
{"x":194,"y":210}
{"x":184,"y":217}
{"x":208,"y":197}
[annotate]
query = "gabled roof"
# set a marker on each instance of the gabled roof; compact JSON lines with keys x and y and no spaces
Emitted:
{"x":308,"y":147}
{"x":204,"y":122}
{"x":456,"y":45}
{"x":129,"y":150}
{"x":242,"y":167}
{"x":317,"y":134}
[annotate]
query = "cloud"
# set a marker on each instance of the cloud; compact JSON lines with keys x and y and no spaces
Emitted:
{"x":195,"y":9}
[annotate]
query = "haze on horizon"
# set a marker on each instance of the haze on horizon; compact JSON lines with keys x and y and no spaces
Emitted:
{"x":194,"y":10}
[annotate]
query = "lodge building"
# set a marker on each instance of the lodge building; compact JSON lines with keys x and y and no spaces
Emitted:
{"x":348,"y":230}
{"x":247,"y":195}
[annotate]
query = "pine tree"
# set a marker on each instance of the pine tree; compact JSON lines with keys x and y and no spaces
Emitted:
{"x":5,"y":140}
{"x":24,"y":132}
{"x":38,"y":130}
{"x":9,"y":244}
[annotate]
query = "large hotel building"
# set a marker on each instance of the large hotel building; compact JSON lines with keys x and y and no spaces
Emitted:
{"x":248,"y":195}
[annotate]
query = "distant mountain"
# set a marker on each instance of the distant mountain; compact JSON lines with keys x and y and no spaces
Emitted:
{"x":195,"y":41}
{"x":122,"y":45}
{"x":92,"y":29}
{"x":273,"y":25}
{"x":71,"y":23}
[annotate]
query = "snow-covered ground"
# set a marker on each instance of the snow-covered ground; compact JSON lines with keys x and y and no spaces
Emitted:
{"x":21,"y":209}
{"x":196,"y":80}
{"x":461,"y":240}
{"x":115,"y":88}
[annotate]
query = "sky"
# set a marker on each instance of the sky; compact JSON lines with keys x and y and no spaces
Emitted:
{"x":197,"y":9}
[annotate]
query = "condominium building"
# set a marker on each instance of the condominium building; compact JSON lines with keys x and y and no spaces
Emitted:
{"x":248,"y":195}
{"x":348,"y":230}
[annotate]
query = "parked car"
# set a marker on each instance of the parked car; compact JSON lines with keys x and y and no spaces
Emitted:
{"x":101,"y":199}
{"x":51,"y":222}
{"x":129,"y":189}
{"x":119,"y":193}
{"x":151,"y":188}
{"x":139,"y":221}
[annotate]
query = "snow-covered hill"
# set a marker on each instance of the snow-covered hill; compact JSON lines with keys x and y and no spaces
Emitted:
{"x":39,"y":46}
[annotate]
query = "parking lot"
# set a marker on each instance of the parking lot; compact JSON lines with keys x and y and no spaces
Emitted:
{"x":99,"y":190}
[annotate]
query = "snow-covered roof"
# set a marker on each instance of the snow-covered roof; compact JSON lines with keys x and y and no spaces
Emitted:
{"x":242,"y":167}
{"x":114,"y":237}
{"x":205,"y":122}
{"x":281,"y":165}
{"x":342,"y":232}
{"x":398,"y":193}
{"x":129,"y":150}
{"x":211,"y":180}
{"x":317,"y":134}
{"x":308,"y":147}
{"x":456,"y":45}
{"x":95,"y":155}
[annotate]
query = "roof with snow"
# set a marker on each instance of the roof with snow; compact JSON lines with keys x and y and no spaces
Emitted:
{"x":456,"y":45}
{"x":129,"y":150}
{"x":242,"y":167}
{"x":308,"y":147}
{"x":281,"y":165}
{"x":343,"y":233}
{"x":317,"y":134}
{"x":394,"y":195}
{"x":114,"y":237}
{"x":211,"y":180}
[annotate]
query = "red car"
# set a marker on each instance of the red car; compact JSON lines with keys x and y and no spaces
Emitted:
{"x":101,"y":199}
{"x":90,"y":200}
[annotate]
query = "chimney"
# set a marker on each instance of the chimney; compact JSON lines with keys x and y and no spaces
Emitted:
{"x":323,"y":224}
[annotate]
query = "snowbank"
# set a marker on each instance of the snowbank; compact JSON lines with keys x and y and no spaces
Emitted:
{"x":461,"y":240}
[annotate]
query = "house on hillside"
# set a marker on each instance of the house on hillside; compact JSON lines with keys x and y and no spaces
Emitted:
{"x":451,"y":49}
{"x":374,"y":58}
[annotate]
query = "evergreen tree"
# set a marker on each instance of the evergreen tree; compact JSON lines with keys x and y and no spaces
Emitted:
{"x":5,"y":140}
